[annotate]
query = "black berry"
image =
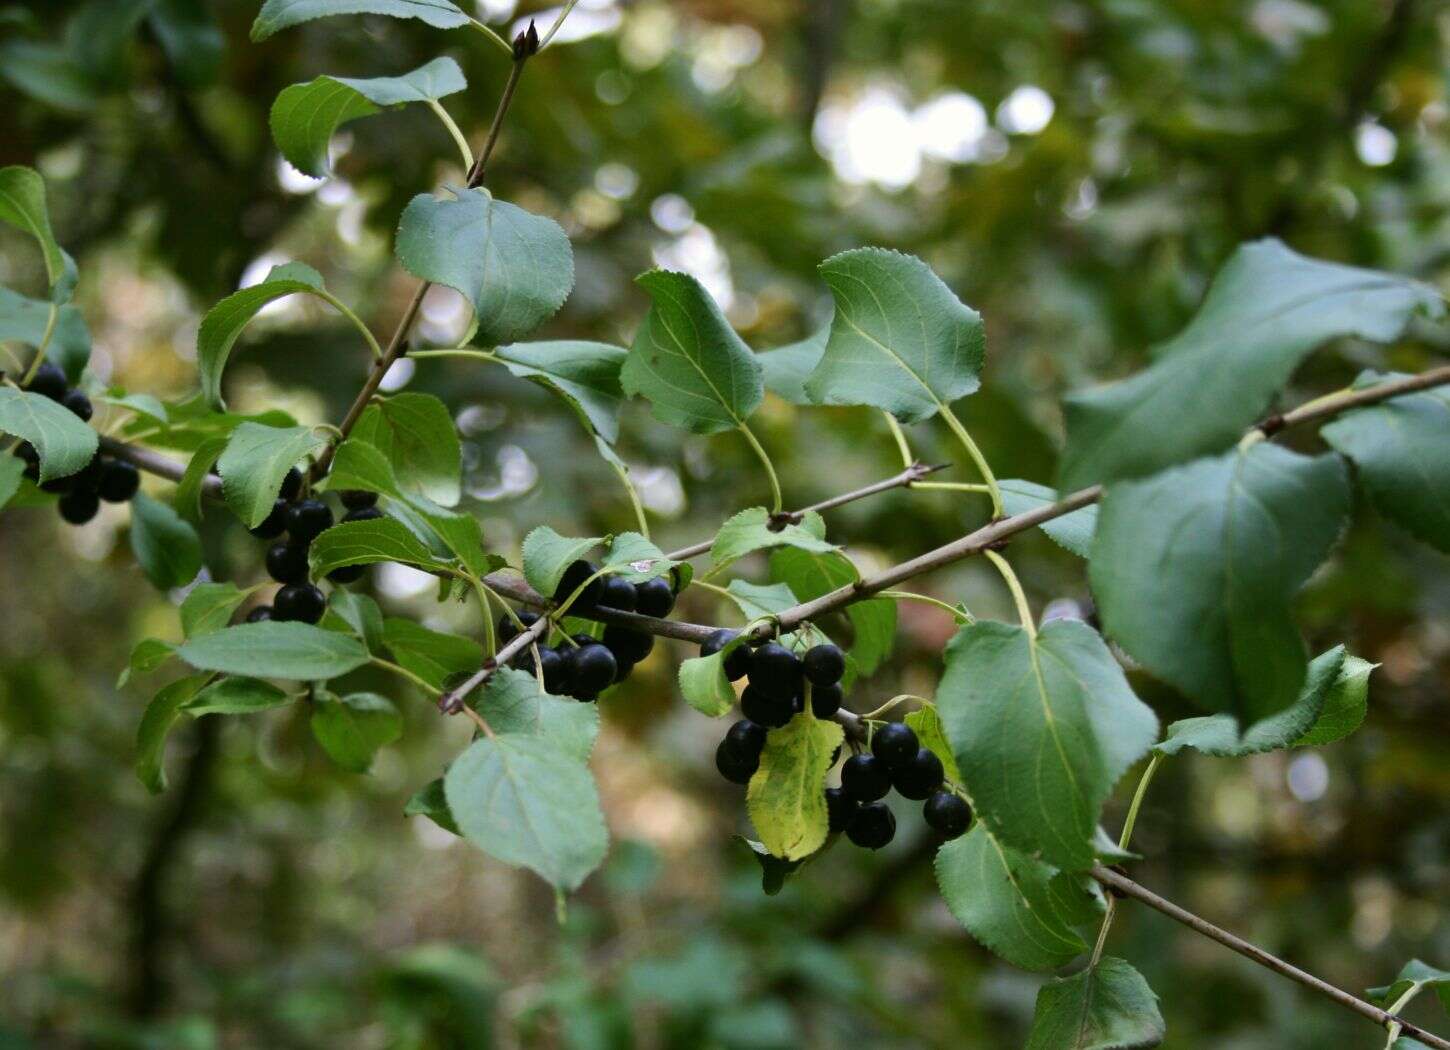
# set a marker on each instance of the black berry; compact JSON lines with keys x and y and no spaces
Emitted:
{"x":554,"y":669}
{"x":918,"y":778}
{"x":574,"y":577}
{"x":78,"y":403}
{"x":733,"y":766}
{"x":79,"y":506}
{"x":287,"y":562}
{"x":824,"y":664}
{"x":299,"y":601}
{"x":627,"y":644}
{"x":117,"y":481}
{"x":363,"y":514}
{"x":776,"y":670}
{"x":307,"y":519}
{"x":347,"y":574}
{"x":357,"y":499}
{"x":291,"y":485}
{"x":826,"y":700}
{"x":764,"y":709}
{"x":49,"y":382}
{"x":895,"y":744}
{"x":947,"y":813}
{"x":615,"y":592}
{"x":840,"y":808}
{"x":593,"y":671}
{"x":625,"y":669}
{"x":654,"y":597}
{"x":747,"y":737}
{"x":274,"y":524}
{"x":508,"y":630}
{"x":737,"y":664}
{"x":872,"y":827}
{"x":260,"y":614}
{"x":865,"y":778}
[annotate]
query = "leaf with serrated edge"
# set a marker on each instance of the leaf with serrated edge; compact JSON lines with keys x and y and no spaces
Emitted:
{"x":429,"y":801}
{"x":585,"y":374}
{"x":547,"y":555}
{"x":926,"y":723}
{"x":750,"y":530}
{"x":209,"y":606}
{"x":356,"y":614}
{"x":236,"y":696}
{"x":688,"y":362}
{"x":416,"y":433}
{"x":365,"y":543}
{"x":65,"y":444}
{"x":431,"y":655}
{"x":636,"y":558}
{"x":761,"y":599}
{"x":166,"y":547}
{"x":146,"y":656}
{"x":1344,"y":706}
{"x":1268,"y":308}
{"x":529,"y":801}
{"x":225,"y":321}
{"x":1105,"y":1007}
{"x":277,"y":15}
{"x":1072,"y":532}
{"x":704,"y":686}
{"x":1412,"y":974}
{"x":1042,"y":728}
{"x":786,"y":797}
{"x":512,"y":701}
{"x":786,"y":368}
{"x":22,"y":205}
{"x":900,"y":340}
{"x":812,"y":575}
{"x":291,"y":650}
{"x":516,"y":268}
{"x":25,"y":320}
{"x":255,"y":463}
{"x":352,"y":729}
{"x":156,"y":722}
{"x":1194,"y":571}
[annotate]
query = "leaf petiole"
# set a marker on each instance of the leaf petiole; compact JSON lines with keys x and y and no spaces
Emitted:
{"x":777,"y":501}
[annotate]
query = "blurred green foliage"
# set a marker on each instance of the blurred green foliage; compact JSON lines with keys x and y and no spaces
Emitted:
{"x":272,"y":900}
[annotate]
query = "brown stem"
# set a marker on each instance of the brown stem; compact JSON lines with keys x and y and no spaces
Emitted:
{"x":1329,"y":406}
{"x":1126,"y":887}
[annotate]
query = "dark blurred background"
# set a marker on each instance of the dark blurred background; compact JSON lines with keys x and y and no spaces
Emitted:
{"x":1076,"y":171}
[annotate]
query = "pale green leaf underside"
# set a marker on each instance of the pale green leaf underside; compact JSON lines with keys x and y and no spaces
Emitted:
{"x":25,"y":320}
{"x":786,"y":368}
{"x":584,"y":374}
{"x":22,"y":205}
{"x":1195,"y":570}
{"x":352,"y":729}
{"x":1107,"y":1007}
{"x":12,"y":470}
{"x":255,"y":462}
{"x":431,"y":655}
{"x":1345,"y":705}
{"x":750,"y":530}
{"x":156,"y":722}
{"x":900,"y":341}
{"x":65,"y":444}
{"x":277,"y":15}
{"x":513,"y":702}
{"x":236,"y":696}
{"x":704,"y":686}
{"x":786,"y":796}
{"x":225,"y":321}
{"x":1073,"y":532}
{"x":166,"y":546}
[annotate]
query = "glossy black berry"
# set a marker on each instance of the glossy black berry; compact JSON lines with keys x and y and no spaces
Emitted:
{"x":363,"y":514}
{"x":747,"y":737}
{"x":872,"y":827}
{"x":117,"y":481}
{"x":58,"y":485}
{"x":776,"y":670}
{"x":573,"y":578}
{"x":628,"y":645}
{"x":307,"y":519}
{"x":274,"y":524}
{"x":895,"y":744}
{"x":840,"y":808}
{"x":260,"y":614}
{"x":508,"y":630}
{"x":737,"y":664}
{"x":824,"y":664}
{"x":584,"y":638}
{"x":654,"y":597}
{"x":615,"y":592}
{"x":299,"y":601}
{"x":764,"y":709}
{"x":291,"y":485}
{"x":593,"y":671}
{"x":347,"y":574}
{"x":358,"y":499}
{"x":624,"y":670}
{"x":733,"y":766}
{"x":79,"y":404}
{"x":947,"y":813}
{"x":287,"y":562}
{"x":918,"y":778}
{"x":49,"y":382}
{"x":826,"y":700}
{"x":865,"y":778}
{"x":79,"y":506}
{"x":554,"y":669}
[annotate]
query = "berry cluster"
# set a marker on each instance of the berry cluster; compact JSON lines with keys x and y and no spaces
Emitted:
{"x":777,"y":683}
{"x":104,"y":478}
{"x":303,"y":518}
{"x":583,"y":666}
{"x":896,"y":760}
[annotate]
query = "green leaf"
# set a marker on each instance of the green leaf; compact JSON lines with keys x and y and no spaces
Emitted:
{"x":786,"y":797}
{"x":751,"y":530}
{"x":1195,"y":570}
{"x":516,"y":268}
{"x":166,"y":547}
{"x":1344,"y":706}
{"x":529,"y":801}
{"x":786,"y":368}
{"x":47,"y":72}
{"x":357,"y":613}
{"x":1073,"y":532}
{"x":416,"y":433}
{"x":1106,"y":1007}
{"x":1016,"y":906}
{"x":636,"y":559}
{"x":513,"y":702}
{"x":209,"y":607}
{"x":704,"y":686}
{"x":12,"y":471}
{"x":1218,"y":735}
{"x":584,"y":374}
{"x":25,"y":320}
{"x":757,"y":600}
{"x":160,"y":715}
{"x":811,"y":575}
{"x":277,"y":15}
{"x":367,"y":542}
{"x":429,"y":801}
{"x":223,"y":324}
{"x":1414,"y":975}
{"x":189,"y":489}
{"x":900,"y":340}
{"x":1267,"y":309}
{"x":431,"y":655}
{"x":255,"y":462}
{"x":352,"y":729}
{"x":547,"y":555}
{"x":1042,"y":728}
{"x":290,"y":650}
{"x":22,"y":205}
{"x":927,"y":725}
{"x":236,"y":696}
{"x":64,"y":443}
{"x":193,"y":42}
{"x":687,"y":360}
{"x":147,"y":655}
{"x":1398,"y":448}
{"x":305,"y":116}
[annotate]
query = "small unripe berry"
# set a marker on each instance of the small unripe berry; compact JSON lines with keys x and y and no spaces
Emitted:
{"x":865,"y":778}
{"x":947,"y":813}
{"x":872,"y":827}
{"x":895,"y":744}
{"x":824,"y":664}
